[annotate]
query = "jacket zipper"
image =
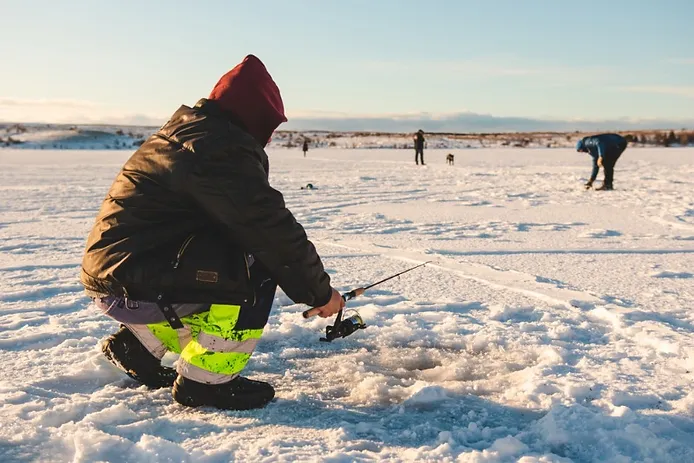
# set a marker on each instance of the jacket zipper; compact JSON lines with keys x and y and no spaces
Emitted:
{"x":248,"y":273}
{"x":182,"y":249}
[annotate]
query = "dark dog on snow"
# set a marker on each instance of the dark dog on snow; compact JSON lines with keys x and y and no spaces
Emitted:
{"x":450,"y":159}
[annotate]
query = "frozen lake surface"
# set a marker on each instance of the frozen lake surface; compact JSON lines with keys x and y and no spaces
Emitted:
{"x":553,"y":325}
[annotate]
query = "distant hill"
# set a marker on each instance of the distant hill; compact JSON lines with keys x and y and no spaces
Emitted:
{"x":59,"y":136}
{"x":114,"y":137}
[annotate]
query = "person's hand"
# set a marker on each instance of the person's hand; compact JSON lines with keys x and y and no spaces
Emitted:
{"x":600,"y":162}
{"x":332,"y":307}
{"x":589,"y":185}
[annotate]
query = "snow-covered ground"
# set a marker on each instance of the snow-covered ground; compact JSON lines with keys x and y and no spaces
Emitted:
{"x":553,"y":325}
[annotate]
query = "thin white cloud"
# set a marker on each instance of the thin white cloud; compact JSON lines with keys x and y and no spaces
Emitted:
{"x":65,"y":111}
{"x":46,"y":102}
{"x":497,"y":67}
{"x":473,"y":122}
{"x":681,"y":61}
{"x":477,"y":68}
{"x":79,"y":112}
{"x":686,"y":91}
{"x":320,"y":114}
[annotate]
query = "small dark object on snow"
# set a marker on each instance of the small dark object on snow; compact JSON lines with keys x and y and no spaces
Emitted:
{"x":450,"y":159}
{"x":309,"y":186}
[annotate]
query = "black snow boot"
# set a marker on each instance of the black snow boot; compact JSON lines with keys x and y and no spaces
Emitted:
{"x":604,"y":187}
{"x":238,"y":394}
{"x":127,"y":353}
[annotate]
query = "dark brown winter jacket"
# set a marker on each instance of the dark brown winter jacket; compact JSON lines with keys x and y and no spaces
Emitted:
{"x":185,"y":210}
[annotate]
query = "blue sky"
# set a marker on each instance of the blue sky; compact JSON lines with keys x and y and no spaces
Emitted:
{"x":542,"y":60}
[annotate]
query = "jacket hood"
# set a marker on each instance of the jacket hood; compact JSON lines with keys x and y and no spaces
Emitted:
{"x":251,"y":98}
{"x":581,"y":145}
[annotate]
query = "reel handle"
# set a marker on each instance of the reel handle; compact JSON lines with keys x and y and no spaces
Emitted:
{"x":345,"y":297}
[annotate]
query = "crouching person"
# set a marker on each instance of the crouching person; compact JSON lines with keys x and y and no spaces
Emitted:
{"x":191,"y":242}
{"x":605,"y":149}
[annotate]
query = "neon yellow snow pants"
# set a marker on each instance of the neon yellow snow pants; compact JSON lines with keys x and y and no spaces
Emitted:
{"x":212,"y":350}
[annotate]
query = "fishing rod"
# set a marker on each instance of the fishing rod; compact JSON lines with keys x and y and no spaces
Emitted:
{"x":343,"y":328}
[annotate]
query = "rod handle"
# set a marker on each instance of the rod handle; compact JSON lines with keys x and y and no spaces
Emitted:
{"x":352,"y":294}
{"x":346,"y":297}
{"x":310,"y":312}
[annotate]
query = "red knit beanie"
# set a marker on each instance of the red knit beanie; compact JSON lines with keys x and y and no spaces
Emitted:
{"x":251,"y":98}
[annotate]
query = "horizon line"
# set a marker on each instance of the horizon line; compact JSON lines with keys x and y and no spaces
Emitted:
{"x":672,"y":128}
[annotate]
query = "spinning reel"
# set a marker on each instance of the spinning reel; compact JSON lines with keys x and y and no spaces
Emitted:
{"x":344,"y":327}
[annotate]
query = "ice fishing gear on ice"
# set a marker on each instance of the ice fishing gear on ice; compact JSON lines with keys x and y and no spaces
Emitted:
{"x":343,"y":328}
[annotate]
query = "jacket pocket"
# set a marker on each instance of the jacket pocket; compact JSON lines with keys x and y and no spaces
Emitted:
{"x":208,"y":266}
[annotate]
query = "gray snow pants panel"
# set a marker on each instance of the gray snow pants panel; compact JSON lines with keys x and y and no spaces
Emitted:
{"x":131,"y":312}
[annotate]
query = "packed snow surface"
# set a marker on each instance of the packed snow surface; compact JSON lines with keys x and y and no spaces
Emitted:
{"x":553,"y":324}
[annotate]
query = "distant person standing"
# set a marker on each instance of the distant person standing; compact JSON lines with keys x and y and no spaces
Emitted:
{"x":305,"y":147}
{"x":419,"y":147}
{"x":605,"y":149}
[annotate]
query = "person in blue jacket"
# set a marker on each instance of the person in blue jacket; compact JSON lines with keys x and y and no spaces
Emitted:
{"x":605,"y":149}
